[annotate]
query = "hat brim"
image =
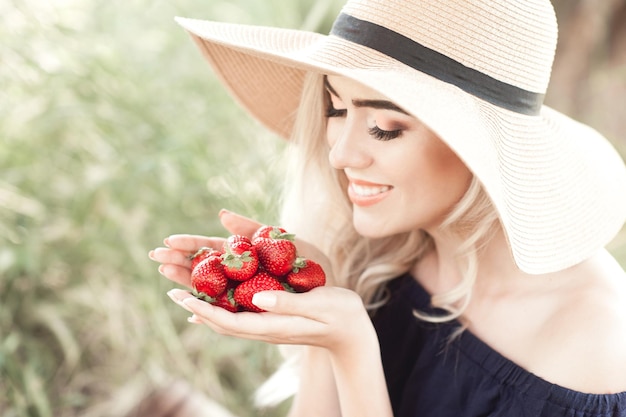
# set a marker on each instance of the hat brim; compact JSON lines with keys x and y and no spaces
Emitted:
{"x":533,"y":167}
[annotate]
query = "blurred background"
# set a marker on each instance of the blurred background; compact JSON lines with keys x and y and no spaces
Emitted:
{"x":115,"y":134}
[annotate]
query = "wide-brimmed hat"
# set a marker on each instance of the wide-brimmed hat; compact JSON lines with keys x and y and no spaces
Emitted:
{"x":475,"y":72}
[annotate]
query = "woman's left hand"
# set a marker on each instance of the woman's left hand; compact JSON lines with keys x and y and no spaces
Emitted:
{"x":329,"y":317}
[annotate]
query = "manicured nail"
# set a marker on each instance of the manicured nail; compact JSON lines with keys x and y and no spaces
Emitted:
{"x":264,"y":300}
{"x":193,"y":302}
{"x":179,"y":297}
{"x":193,"y":319}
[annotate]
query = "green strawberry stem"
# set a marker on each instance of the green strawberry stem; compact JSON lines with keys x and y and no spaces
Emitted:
{"x":288,"y":287}
{"x":199,"y":252}
{"x":277,"y":234}
{"x":231,"y":260}
{"x":202,"y":296}
{"x":298,"y":264}
{"x":230,"y":295}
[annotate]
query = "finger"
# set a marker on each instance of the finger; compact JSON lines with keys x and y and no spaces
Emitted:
{"x":283,"y":302}
{"x":191,"y":243}
{"x":218,"y":319}
{"x":238,"y":224}
{"x":170,"y":256}
{"x":321,"y":303}
{"x":179,"y":296}
{"x":267,"y":327}
{"x":179,"y":274}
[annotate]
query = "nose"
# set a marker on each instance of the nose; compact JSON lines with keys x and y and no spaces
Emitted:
{"x":348,"y":145}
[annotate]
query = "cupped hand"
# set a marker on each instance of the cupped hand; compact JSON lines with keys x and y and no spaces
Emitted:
{"x":175,"y":256}
{"x":329,"y":317}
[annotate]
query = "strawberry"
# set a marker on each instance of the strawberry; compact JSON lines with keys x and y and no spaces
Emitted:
{"x":237,"y":241}
{"x":273,"y":232}
{"x":226,"y":301}
{"x":208,"y":279}
{"x":240,"y":258}
{"x":276,"y":255}
{"x":305,"y":275}
{"x":262,"y":281}
{"x":201,"y":254}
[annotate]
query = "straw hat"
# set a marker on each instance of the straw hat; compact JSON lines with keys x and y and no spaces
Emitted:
{"x":475,"y":71}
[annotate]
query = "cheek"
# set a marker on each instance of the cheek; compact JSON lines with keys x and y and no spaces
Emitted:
{"x":437,"y":174}
{"x":451,"y":175}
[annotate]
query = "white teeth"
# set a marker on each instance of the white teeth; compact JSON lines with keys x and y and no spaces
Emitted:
{"x":366,"y":191}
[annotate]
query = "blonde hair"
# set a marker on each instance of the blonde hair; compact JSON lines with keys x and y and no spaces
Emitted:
{"x":316,"y":208}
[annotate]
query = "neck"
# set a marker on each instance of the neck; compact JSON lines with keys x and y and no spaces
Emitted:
{"x":440,"y":270}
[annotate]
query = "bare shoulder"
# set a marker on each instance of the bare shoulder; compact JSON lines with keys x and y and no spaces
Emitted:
{"x":586,"y":334}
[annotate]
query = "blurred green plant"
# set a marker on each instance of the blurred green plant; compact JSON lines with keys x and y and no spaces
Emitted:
{"x":114,"y":134}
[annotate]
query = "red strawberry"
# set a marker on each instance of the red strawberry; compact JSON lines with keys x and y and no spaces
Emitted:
{"x":240,"y":262}
{"x":201,"y":254}
{"x":208,"y":279}
{"x":226,"y":301}
{"x":306,"y":275}
{"x":262,"y":281}
{"x":273,"y":232}
{"x":276,"y":255}
{"x":237,"y":241}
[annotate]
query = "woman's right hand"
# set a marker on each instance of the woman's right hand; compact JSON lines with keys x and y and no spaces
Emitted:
{"x":175,"y":260}
{"x":174,"y":257}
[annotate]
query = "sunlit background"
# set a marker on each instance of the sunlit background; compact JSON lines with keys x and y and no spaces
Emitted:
{"x":113,"y":135}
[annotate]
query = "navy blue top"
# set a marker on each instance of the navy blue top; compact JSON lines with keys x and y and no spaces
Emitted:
{"x":429,"y":377}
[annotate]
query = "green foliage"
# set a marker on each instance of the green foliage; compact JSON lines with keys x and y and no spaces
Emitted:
{"x":114,"y":134}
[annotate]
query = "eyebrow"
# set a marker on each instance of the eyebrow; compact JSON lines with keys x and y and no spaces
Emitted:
{"x":375,"y":104}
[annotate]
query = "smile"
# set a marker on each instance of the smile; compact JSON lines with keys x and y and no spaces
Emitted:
{"x":364,"y":195}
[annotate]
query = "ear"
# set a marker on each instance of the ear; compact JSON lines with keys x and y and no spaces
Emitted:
{"x":237,"y":224}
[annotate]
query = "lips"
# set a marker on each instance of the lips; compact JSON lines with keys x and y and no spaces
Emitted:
{"x":363,"y":193}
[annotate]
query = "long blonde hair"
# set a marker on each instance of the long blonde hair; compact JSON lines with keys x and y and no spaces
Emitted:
{"x":316,"y":208}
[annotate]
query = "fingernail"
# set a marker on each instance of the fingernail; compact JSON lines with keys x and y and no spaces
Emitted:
{"x":151,"y":255}
{"x":194,"y":319}
{"x":223,"y":211}
{"x":191,"y":302}
{"x":161,"y":270}
{"x":175,"y":296}
{"x":264,"y":300}
{"x":166,"y":242}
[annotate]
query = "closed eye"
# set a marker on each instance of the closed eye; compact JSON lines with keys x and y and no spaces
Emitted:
{"x":384,"y":135}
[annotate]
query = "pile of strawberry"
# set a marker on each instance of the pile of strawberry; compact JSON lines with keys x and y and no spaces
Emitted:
{"x":267,"y":261}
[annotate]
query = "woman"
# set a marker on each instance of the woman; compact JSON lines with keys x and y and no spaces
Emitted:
{"x":460,"y":221}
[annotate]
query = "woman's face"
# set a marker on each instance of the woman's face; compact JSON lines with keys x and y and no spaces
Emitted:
{"x":401,"y":176}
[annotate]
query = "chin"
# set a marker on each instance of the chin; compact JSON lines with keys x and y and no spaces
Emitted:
{"x":378,"y":226}
{"x":374,"y":229}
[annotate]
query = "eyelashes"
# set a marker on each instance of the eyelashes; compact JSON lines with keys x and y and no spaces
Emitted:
{"x":383,"y":135}
{"x":376,"y":132}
